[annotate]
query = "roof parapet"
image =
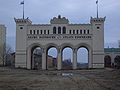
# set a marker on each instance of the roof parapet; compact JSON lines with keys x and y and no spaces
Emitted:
{"x":23,"y":21}
{"x":59,"y":20}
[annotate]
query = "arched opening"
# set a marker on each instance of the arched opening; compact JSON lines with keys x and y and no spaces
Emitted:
{"x":51,"y":58}
{"x":54,"y":30}
{"x":64,"y":30}
{"x":107,"y":61}
{"x":67,"y":58}
{"x":117,"y":62}
{"x":82,"y":58}
{"x":59,"y":30}
{"x":36,"y":58}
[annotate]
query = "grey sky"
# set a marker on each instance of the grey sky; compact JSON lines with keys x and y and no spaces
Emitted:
{"x":77,"y":11}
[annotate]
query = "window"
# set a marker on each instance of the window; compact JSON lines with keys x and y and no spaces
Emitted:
{"x":30,"y":31}
{"x":80,"y":31}
{"x":98,"y":27}
{"x":41,"y":31}
{"x":37,"y":31}
{"x":73,"y":31}
{"x":59,"y":30}
{"x":88,"y":32}
{"x":34,"y":31}
{"x":64,"y":30}
{"x":84,"y":31}
{"x":21,"y":27}
{"x":70,"y":32}
{"x":54,"y":30}
{"x":48,"y":31}
{"x":77,"y":31}
{"x":44,"y":31}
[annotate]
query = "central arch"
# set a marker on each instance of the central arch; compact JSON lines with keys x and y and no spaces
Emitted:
{"x":51,"y":56}
{"x":67,"y":56}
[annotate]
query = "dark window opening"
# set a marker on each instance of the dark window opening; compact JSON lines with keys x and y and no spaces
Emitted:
{"x":54,"y":30}
{"x":84,"y":31}
{"x":77,"y":31}
{"x":88,"y":31}
{"x":59,"y":30}
{"x":30,"y":31}
{"x":21,"y":27}
{"x":80,"y":31}
{"x":44,"y":31}
{"x":37,"y":31}
{"x":34,"y":31}
{"x":64,"y":30}
{"x":73,"y":31}
{"x":98,"y":27}
{"x":48,"y":32}
{"x":41,"y":31}
{"x":70,"y":32}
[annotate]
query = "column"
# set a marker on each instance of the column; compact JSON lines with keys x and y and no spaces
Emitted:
{"x":28,"y":59}
{"x":90,"y":59}
{"x":59,"y":61}
{"x":75,"y":58}
{"x":43,"y":59}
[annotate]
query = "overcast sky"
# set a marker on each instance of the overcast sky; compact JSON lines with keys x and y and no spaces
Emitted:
{"x":77,"y":11}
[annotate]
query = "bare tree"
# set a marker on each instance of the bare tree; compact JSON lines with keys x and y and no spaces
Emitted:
{"x":5,"y":50}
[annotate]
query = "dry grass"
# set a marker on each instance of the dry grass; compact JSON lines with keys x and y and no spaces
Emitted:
{"x":96,"y":79}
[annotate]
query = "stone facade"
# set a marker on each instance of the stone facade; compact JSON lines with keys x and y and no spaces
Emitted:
{"x":2,"y":43}
{"x":59,"y":34}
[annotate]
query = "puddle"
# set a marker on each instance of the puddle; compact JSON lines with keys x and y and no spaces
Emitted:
{"x":67,"y":74}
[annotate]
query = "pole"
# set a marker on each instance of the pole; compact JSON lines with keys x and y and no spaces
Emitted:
{"x":97,"y":8}
{"x":23,"y":9}
{"x":22,"y":3}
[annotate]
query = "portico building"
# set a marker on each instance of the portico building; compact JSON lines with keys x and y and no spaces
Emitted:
{"x":59,"y":34}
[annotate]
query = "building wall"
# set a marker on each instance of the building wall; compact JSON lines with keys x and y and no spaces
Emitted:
{"x":2,"y":43}
{"x":98,"y":41}
{"x":112,"y":53}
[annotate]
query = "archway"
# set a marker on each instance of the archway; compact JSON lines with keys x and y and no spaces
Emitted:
{"x":117,"y":62}
{"x":36,"y":58}
{"x":51,"y":58}
{"x":82,"y":57}
{"x":67,"y":58}
{"x":107,"y":61}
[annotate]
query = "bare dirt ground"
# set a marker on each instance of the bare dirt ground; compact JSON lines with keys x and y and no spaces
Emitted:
{"x":95,"y":79}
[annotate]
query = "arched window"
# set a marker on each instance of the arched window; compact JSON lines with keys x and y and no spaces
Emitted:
{"x":77,"y":31}
{"x":44,"y":31}
{"x":37,"y":31}
{"x":84,"y":31}
{"x":41,"y":31}
{"x":48,"y":32}
{"x":80,"y":31}
{"x":30,"y":31}
{"x":70,"y":32}
{"x":59,"y":30}
{"x":88,"y":32}
{"x":34,"y":31}
{"x":73,"y":31}
{"x":54,"y":30}
{"x":64,"y":30}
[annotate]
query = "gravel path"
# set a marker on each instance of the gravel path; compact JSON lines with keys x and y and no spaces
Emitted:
{"x":96,"y":79}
